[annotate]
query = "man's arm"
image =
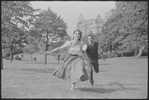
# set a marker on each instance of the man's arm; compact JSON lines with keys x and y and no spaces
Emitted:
{"x":84,"y":48}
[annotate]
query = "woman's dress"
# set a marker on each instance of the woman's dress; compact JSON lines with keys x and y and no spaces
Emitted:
{"x":73,"y":68}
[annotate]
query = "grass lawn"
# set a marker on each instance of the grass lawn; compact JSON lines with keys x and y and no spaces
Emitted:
{"x":124,"y":77}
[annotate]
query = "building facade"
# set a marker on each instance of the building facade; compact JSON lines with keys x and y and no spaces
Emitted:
{"x":90,"y":26}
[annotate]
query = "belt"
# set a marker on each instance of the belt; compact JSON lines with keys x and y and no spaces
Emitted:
{"x":73,"y":54}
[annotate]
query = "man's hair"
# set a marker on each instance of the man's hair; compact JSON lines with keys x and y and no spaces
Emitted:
{"x":90,"y":35}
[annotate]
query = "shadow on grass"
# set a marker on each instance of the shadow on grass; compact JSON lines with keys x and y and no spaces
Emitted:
{"x":55,"y":63}
{"x":45,"y":70}
{"x":104,"y":64}
{"x":103,"y":90}
{"x":99,"y":90}
{"x":60,"y":63}
{"x":26,"y":60}
{"x":142,"y":57}
{"x":102,"y":70}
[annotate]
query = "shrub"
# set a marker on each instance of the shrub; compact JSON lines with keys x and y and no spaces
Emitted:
{"x":18,"y":58}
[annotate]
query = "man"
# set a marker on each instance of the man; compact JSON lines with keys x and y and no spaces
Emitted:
{"x":91,"y":58}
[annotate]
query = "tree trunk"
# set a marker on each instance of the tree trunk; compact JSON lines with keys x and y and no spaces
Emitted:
{"x":46,"y":54}
{"x":136,"y":51}
{"x":11,"y":56}
{"x":1,"y":60}
{"x":46,"y":49}
{"x":110,"y":48}
{"x":31,"y":56}
{"x":45,"y":59}
{"x":140,"y":51}
{"x":122,"y":52}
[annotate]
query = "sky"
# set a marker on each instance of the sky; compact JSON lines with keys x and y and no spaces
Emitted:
{"x":70,"y":10}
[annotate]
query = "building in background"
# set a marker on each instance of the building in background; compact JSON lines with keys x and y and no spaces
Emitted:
{"x":90,"y":26}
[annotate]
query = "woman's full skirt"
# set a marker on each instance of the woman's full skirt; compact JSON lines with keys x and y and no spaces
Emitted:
{"x":72,"y":70}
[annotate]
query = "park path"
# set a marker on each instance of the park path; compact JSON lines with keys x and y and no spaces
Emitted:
{"x":118,"y":78}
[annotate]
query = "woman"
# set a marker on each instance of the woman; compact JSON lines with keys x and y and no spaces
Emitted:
{"x":73,"y":68}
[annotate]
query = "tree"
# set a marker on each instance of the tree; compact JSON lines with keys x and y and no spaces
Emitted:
{"x":31,"y":49}
{"x":16,"y":17}
{"x":111,"y":31}
{"x":13,"y":39}
{"x":52,"y":28}
{"x":136,"y":16}
{"x":127,"y":27}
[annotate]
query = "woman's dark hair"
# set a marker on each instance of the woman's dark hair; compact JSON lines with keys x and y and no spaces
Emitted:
{"x":79,"y":33}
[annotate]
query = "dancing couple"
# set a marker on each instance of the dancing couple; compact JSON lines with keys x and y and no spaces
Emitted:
{"x":82,"y":59}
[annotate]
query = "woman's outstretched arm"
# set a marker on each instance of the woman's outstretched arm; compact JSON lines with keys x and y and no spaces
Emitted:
{"x":67,"y":43}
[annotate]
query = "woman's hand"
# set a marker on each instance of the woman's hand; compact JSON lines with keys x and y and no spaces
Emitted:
{"x":47,"y":52}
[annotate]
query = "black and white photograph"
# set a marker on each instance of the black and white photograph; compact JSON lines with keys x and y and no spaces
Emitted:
{"x":74,"y":49}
